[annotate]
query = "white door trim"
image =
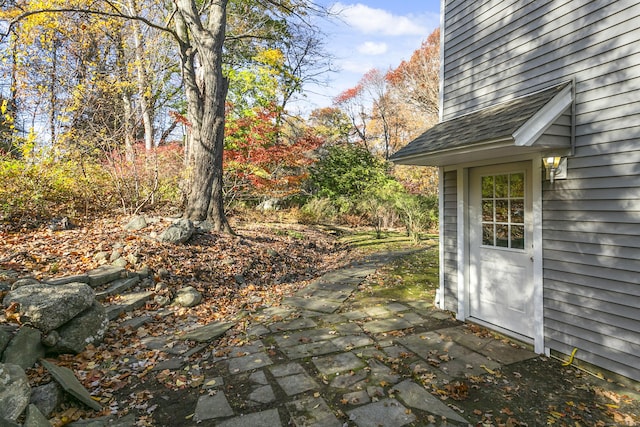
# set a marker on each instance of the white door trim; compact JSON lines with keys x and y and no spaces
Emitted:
{"x":463,"y":243}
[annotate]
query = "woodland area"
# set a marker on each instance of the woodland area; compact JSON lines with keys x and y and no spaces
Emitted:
{"x":182,"y":109}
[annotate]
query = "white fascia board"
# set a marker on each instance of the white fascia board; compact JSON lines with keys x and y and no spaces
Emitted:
{"x":532,"y":129}
{"x":454,"y":155}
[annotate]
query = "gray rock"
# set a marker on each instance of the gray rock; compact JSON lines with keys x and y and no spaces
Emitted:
{"x":104,"y":274}
{"x":117,"y":287}
{"x":161,"y":300}
{"x":205,"y":226}
{"x":24,"y":282}
{"x":6,"y":423}
{"x":14,"y":391}
{"x":138,"y":222}
{"x":188,"y":297}
{"x":101,"y":256}
{"x":59,"y":224}
{"x":47,"y":397}
{"x":68,"y":381}
{"x":78,"y":278}
{"x":47,"y":307}
{"x":208,"y":332}
{"x":115,"y":254}
{"x":51,"y":339}
{"x":163,"y":273}
{"x":34,"y":418}
{"x":128,"y":302}
{"x":143,"y":272}
{"x":269,"y":205}
{"x":5,"y":337}
{"x":25,"y":348}
{"x":178,"y":232}
{"x":120,"y":262}
{"x":132,"y":259}
{"x":87,"y":328}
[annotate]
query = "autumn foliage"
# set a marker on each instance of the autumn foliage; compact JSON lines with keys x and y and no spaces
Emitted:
{"x":260,"y":161}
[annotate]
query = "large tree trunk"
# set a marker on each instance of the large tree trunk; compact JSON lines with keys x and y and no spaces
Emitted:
{"x":201,"y":56}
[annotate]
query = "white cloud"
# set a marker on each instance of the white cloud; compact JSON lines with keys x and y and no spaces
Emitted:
{"x":358,"y":68}
{"x":378,"y":21}
{"x":373,"y":48}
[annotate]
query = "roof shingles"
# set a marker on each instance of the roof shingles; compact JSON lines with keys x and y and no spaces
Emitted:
{"x":489,"y":124}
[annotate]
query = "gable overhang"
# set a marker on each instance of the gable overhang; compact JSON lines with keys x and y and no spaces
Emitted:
{"x":509,"y":129}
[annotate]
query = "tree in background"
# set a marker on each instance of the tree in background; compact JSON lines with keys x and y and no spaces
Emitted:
{"x":417,"y":80}
{"x":389,"y":109}
{"x":331,"y":123}
{"x":353,"y":103}
{"x":198,"y":33}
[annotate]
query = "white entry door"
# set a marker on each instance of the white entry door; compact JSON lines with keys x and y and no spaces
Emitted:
{"x":501,"y":247}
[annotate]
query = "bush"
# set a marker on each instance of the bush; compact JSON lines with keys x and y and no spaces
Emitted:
{"x":317,"y":210}
{"x":40,"y":190}
{"x":353,"y":186}
{"x":145,"y":179}
{"x":419,"y":213}
{"x":41,"y":185}
{"x":344,"y":173}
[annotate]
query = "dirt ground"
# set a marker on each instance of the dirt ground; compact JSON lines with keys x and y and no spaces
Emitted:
{"x":273,"y":261}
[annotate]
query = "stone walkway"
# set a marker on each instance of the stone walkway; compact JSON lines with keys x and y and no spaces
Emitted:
{"x":317,"y":361}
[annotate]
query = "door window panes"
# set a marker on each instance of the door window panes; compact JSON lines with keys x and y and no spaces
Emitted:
{"x":503,"y":212}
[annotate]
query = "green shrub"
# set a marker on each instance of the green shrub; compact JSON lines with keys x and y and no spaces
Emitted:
{"x":345,"y":171}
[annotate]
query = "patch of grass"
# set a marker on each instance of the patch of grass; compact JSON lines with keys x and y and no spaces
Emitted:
{"x":410,"y":278}
{"x":414,"y":277}
{"x":367,"y":241}
{"x":295,"y":234}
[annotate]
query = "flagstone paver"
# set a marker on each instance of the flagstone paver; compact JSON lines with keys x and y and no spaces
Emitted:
{"x":418,"y":397}
{"x":324,"y":305}
{"x":269,"y":418}
{"x":300,"y":323}
{"x":356,"y":397}
{"x":386,"y":325}
{"x":387,"y":412}
{"x":211,"y":407}
{"x":309,"y":350}
{"x":312,"y":412}
{"x":296,"y":384}
{"x":350,"y":342}
{"x":248,"y":362}
{"x":317,"y":362}
{"x":341,"y":362}
{"x":262,"y":394}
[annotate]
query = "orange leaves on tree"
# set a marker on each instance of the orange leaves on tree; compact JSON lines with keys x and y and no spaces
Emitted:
{"x":257,"y":154}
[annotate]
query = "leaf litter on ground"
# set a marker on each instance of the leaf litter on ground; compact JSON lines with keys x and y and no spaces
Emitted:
{"x":236,"y":274}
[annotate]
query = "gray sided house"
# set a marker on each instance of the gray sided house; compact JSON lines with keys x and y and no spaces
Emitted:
{"x":542,"y":251}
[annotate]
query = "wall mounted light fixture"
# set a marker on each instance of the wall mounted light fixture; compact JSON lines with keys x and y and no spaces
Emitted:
{"x":556,"y":167}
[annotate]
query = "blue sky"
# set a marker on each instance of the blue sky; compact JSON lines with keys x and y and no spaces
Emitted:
{"x":372,"y":34}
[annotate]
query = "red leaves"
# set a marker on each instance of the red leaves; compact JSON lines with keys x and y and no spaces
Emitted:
{"x":261,"y":161}
{"x":349,"y":94}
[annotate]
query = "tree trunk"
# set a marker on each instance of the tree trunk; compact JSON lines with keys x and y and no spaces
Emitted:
{"x":201,"y":47}
{"x":142,"y":79}
{"x":53,"y":85}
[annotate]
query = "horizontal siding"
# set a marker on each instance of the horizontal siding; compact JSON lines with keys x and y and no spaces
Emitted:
{"x":498,"y":50}
{"x":451,"y":241}
{"x":491,"y":70}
